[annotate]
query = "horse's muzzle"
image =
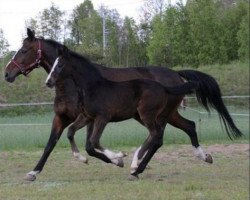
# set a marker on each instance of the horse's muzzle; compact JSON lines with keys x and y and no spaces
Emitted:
{"x":8,"y":78}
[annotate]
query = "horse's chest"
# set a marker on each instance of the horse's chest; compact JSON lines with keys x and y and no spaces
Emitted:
{"x":66,"y":107}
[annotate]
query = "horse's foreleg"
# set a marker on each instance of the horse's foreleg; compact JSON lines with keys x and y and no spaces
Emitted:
{"x":58,"y":126}
{"x":188,"y":127}
{"x":94,"y":148}
{"x":79,"y":123}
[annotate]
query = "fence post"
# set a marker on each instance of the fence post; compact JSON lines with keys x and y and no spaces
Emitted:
{"x":199,"y":126}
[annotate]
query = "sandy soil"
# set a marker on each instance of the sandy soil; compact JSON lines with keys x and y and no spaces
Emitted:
{"x":187,"y":151}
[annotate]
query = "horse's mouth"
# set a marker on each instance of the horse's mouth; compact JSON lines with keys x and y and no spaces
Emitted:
{"x":10,"y":79}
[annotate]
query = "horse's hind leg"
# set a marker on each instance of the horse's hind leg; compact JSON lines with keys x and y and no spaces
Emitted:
{"x":188,"y":127}
{"x":94,"y":148}
{"x":145,"y":152}
{"x":79,"y":123}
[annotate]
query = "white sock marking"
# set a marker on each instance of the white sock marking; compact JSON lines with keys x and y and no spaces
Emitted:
{"x":134,"y":163}
{"x":33,"y":173}
{"x":111,"y":155}
{"x":198,"y":152}
{"x":79,"y":157}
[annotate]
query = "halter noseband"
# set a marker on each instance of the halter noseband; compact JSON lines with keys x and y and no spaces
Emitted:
{"x":30,"y":67}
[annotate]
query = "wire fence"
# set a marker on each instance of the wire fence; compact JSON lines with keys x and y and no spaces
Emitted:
{"x":31,"y":127}
{"x":191,"y":109}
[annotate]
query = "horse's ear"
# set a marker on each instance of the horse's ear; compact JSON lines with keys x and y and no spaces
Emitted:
{"x":31,"y":34}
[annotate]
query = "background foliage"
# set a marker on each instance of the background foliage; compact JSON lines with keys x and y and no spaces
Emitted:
{"x":199,"y":32}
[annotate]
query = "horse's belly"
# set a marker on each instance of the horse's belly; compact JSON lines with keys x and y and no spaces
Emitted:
{"x":123,"y":114}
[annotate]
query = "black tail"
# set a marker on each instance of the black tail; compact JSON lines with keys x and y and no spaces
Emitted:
{"x":208,"y":93}
{"x":186,"y":88}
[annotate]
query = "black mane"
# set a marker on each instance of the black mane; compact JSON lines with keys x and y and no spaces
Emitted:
{"x":58,"y":45}
{"x":53,"y":43}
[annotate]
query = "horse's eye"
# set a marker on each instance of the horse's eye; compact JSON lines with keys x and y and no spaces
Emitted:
{"x":60,"y":65}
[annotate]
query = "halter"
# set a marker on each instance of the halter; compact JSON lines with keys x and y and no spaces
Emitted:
{"x":30,"y":67}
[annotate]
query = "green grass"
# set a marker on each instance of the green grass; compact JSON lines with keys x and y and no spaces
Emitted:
{"x":174,"y":174}
{"x":127,"y":133}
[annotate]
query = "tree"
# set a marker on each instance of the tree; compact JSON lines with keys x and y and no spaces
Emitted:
{"x":82,"y":12}
{"x":243,"y":38}
{"x":86,"y":30}
{"x":3,"y":44}
{"x":231,"y":18}
{"x":48,"y":23}
{"x":133,"y":53}
{"x":152,"y":8}
{"x":113,"y":34}
{"x":170,"y":40}
{"x":157,"y":43}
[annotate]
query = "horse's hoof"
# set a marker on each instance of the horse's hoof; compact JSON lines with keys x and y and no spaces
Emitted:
{"x":120,"y":162}
{"x":124,"y":154}
{"x":80,"y":158}
{"x":209,"y":159}
{"x":84,"y":160}
{"x":133,"y":177}
{"x":29,"y":177}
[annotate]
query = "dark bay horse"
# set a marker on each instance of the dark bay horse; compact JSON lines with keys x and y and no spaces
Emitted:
{"x":37,"y":52}
{"x":106,"y":101}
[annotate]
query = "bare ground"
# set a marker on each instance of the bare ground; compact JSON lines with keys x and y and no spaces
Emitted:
{"x":187,"y":151}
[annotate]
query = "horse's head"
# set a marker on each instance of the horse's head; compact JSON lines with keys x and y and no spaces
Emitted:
{"x":61,"y":68}
{"x":26,"y":58}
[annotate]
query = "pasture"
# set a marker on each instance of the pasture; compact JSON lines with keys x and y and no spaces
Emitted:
{"x":32,"y":131}
{"x":174,"y":172}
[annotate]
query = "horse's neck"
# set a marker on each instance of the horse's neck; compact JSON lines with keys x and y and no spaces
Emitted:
{"x":86,"y":73}
{"x":49,"y":56}
{"x":66,"y":88}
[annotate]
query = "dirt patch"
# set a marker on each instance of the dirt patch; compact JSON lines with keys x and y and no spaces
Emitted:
{"x":228,"y":149}
{"x":187,"y":151}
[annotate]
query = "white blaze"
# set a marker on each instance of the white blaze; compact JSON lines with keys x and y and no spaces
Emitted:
{"x":52,"y":70}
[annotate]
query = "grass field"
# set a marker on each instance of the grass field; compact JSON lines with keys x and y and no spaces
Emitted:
{"x":174,"y":174}
{"x":15,"y":135}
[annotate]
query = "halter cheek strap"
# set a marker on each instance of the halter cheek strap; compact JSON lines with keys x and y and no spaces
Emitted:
{"x":26,"y":70}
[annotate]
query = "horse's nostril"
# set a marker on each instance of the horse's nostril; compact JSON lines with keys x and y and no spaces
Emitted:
{"x":6,"y":75}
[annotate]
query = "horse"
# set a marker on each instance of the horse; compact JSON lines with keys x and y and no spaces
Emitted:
{"x":104,"y":101}
{"x":37,"y":52}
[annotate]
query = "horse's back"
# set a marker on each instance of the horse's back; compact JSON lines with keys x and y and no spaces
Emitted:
{"x":163,"y":75}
